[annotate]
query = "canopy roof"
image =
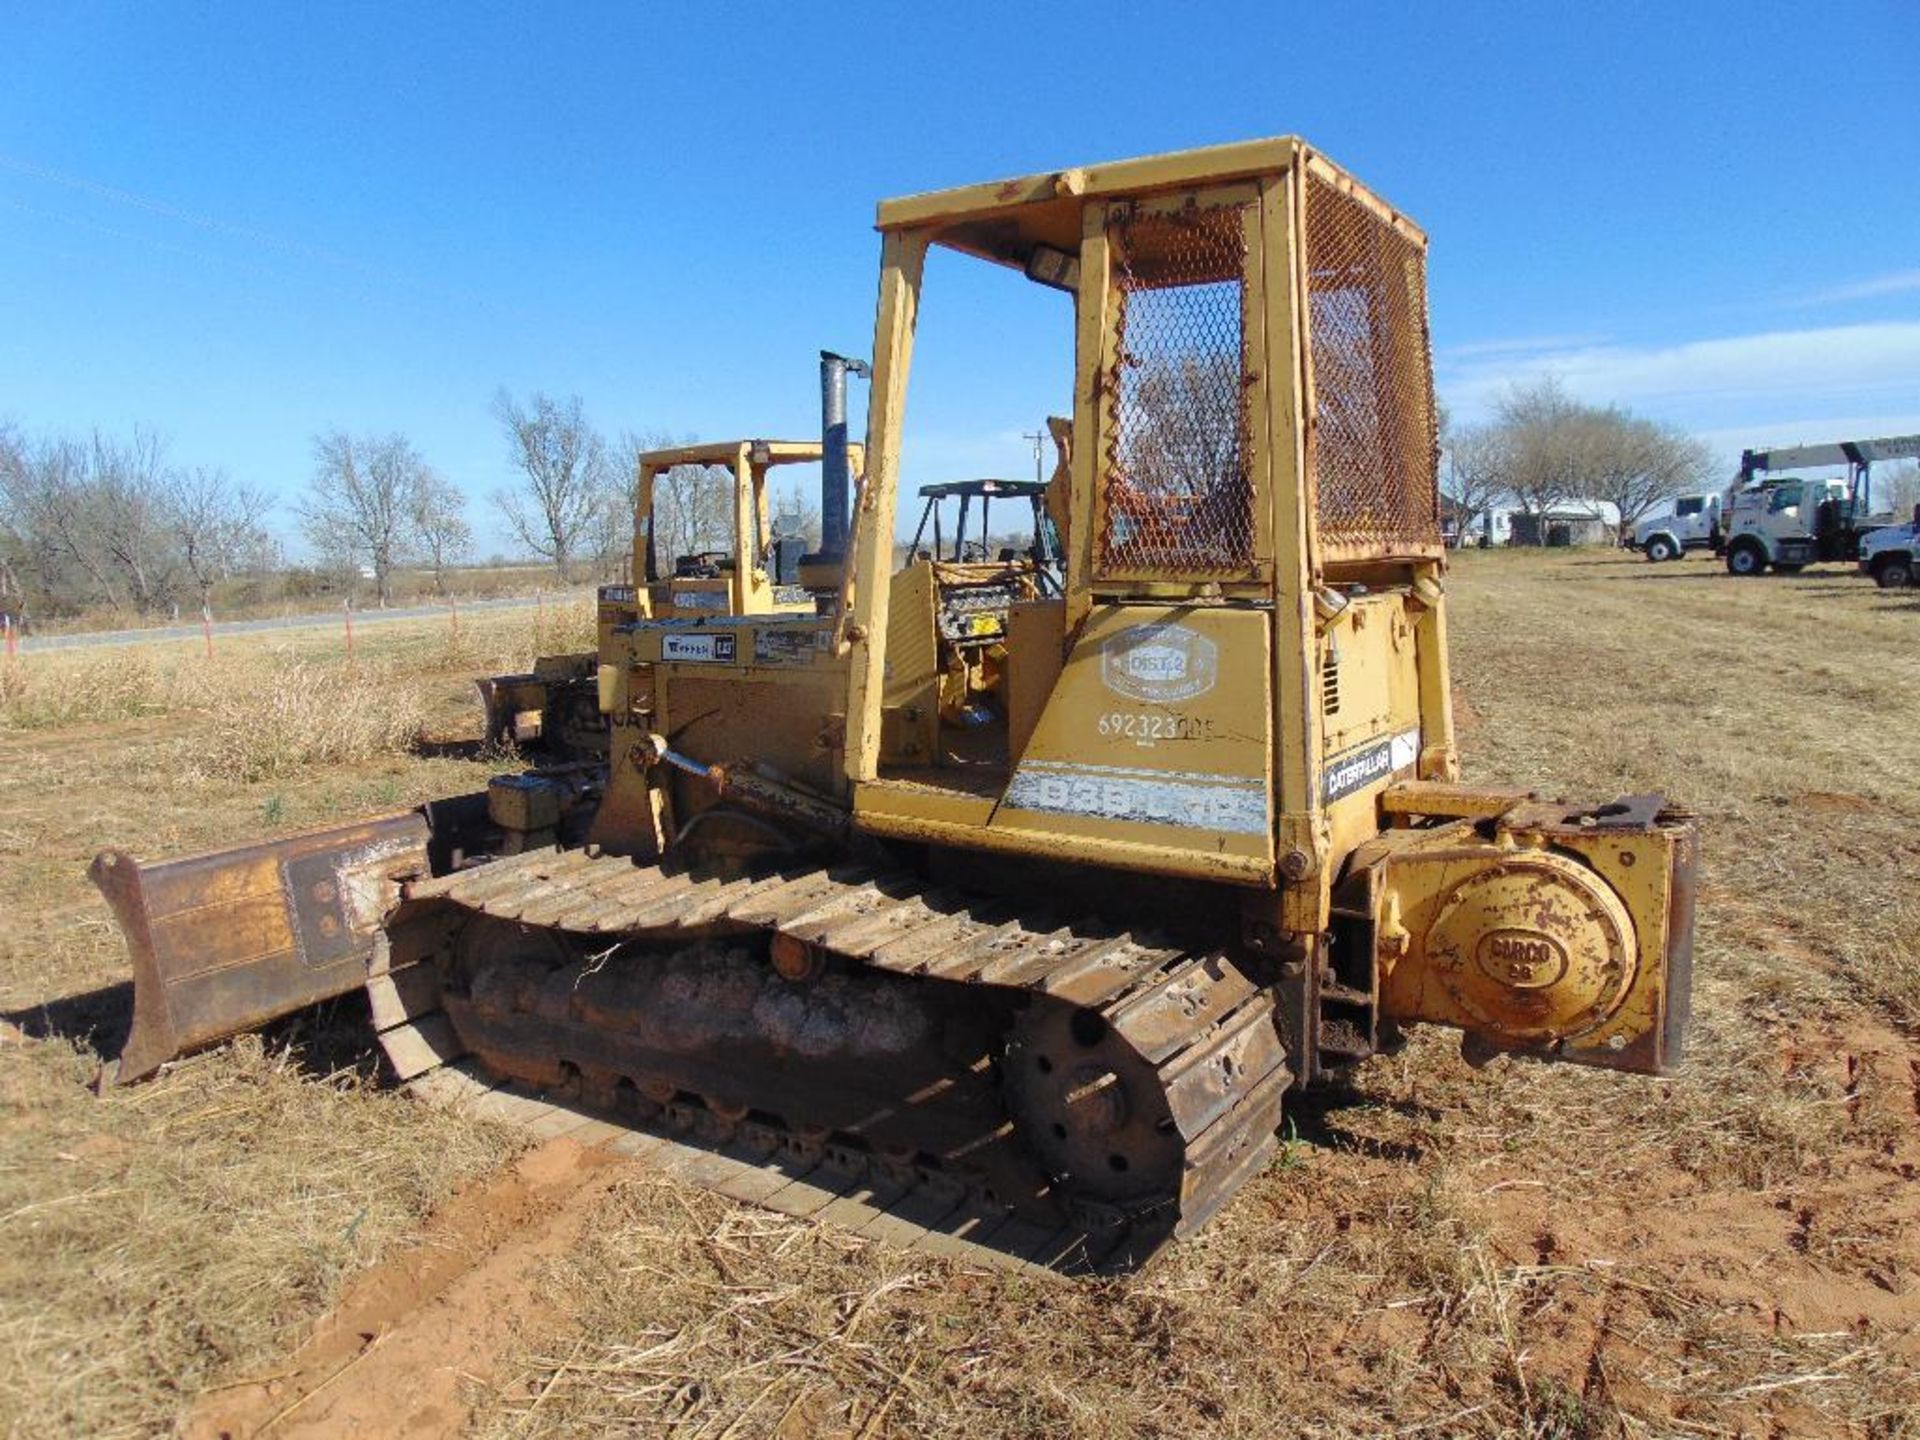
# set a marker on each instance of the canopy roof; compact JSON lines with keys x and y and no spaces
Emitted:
{"x":725,"y":452}
{"x":1006,"y":220}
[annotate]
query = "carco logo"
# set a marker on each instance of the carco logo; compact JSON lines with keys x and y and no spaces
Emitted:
{"x":1523,"y":959}
{"x":1159,"y":663}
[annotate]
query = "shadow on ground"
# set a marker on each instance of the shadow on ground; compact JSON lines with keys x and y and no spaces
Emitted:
{"x":321,"y":1040}
{"x":1329,"y":1118}
{"x":476,"y":750}
{"x":99,"y":1019}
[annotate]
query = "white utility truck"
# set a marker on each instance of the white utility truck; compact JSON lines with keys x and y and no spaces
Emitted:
{"x":1786,"y":521}
{"x":1689,"y":522}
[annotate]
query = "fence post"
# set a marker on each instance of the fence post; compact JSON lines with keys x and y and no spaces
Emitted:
{"x":453,"y":612}
{"x":13,"y":643}
{"x":347,"y":606}
{"x":206,"y":627}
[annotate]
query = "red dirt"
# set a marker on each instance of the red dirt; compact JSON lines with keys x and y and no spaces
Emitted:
{"x":1465,"y":718}
{"x":416,"y":1331}
{"x":1829,"y":802}
{"x":1828,"y":1253}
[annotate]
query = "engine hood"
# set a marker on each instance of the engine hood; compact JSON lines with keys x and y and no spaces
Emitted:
{"x":1887,"y":537}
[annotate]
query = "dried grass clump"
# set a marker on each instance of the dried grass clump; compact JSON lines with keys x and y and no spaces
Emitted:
{"x":566,"y":627}
{"x":48,"y":692}
{"x":508,"y":641}
{"x":1902,"y":962}
{"x":156,"y":1237}
{"x":299,"y":715}
{"x":61,"y":689}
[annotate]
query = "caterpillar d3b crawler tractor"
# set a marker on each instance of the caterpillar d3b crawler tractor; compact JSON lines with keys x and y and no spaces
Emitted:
{"x":756,"y":574}
{"x":1064,"y":963}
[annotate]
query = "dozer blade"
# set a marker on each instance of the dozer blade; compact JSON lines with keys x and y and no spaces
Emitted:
{"x":225,"y":941}
{"x":505,"y":698}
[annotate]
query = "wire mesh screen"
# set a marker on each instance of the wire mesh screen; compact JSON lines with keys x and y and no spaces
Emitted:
{"x":1175,"y":482}
{"x":1373,"y":445}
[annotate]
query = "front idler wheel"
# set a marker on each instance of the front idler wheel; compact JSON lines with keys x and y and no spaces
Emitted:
{"x":1090,"y":1109}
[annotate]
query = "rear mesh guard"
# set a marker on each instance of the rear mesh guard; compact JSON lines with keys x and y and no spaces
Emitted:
{"x":1372,"y":442}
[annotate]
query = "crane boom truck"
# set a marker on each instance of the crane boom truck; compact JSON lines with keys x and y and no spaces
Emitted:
{"x":1787,"y":521}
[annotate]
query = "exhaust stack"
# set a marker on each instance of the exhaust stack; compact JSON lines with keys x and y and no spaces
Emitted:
{"x":836,"y":472}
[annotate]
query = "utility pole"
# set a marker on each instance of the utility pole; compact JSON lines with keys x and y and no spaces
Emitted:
{"x":1038,"y":437}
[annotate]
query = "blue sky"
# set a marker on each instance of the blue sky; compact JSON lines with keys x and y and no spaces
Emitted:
{"x":241,"y":224}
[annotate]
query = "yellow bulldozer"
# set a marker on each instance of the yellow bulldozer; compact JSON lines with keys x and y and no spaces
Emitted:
{"x":1198,"y":841}
{"x":553,"y":709}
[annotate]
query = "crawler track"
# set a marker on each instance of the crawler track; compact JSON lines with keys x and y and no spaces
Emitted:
{"x":1032,"y":1087}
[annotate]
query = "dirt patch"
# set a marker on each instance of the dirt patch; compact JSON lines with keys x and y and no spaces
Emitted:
{"x":1466,"y":719}
{"x":398,"y":1352}
{"x":1820,"y":1270}
{"x":1829,"y":802}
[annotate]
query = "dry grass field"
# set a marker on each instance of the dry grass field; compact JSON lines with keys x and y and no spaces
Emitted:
{"x":305,"y":592}
{"x":1438,"y":1251}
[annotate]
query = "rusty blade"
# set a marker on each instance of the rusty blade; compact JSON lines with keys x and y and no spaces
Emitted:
{"x":230,"y":939}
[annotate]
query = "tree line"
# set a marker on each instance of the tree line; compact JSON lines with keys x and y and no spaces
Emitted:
{"x":1542,"y":449}
{"x":110,"y":522}
{"x":102,"y":522}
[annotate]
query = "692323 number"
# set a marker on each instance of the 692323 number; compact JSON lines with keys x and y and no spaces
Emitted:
{"x":1148,"y":729}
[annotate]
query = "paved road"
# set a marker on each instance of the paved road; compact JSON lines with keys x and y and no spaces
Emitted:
{"x":29,"y":643}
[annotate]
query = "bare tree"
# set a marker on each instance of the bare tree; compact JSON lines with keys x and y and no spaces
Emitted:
{"x":564,"y":466}
{"x":49,"y":499}
{"x":13,"y":541}
{"x":1545,"y":448}
{"x":1476,"y":463}
{"x":436,"y":513}
{"x":1181,"y":484}
{"x":1634,"y":464}
{"x":360,"y":503}
{"x":127,"y":501}
{"x":613,"y":535}
{"x":106,"y":521}
{"x":693,"y":510}
{"x":1544,"y":441}
{"x":1896,"y":488}
{"x":215,"y":525}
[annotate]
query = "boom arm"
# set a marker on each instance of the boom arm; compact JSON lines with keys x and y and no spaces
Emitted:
{"x":1837,"y":452}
